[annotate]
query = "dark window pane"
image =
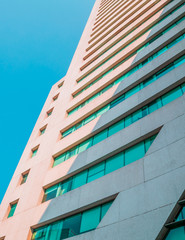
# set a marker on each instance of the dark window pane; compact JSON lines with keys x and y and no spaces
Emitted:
{"x":40,"y":233}
{"x":24,"y":178}
{"x":71,"y":226}
{"x":117,"y":101}
{"x":12,"y":210}
{"x":66,"y":186}
{"x":55,"y":231}
{"x":50,"y":193}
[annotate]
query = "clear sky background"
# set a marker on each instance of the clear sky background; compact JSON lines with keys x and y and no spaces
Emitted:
{"x":37,"y":41}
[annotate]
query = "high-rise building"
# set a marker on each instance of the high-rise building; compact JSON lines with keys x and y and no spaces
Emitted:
{"x":106,"y":158}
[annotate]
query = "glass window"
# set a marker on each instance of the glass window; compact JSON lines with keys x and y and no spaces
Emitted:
{"x":59,"y":159}
{"x":66,"y":186}
{"x":49,"y":112}
{"x":160,"y":52}
{"x":134,"y":153}
{"x":132,"y":91}
{"x":67,"y":132}
{"x":148,"y":142}
{"x":12,"y":209}
{"x":103,"y":110}
{"x":177,"y":233}
{"x":73,"y":151}
{"x":179,"y":61}
{"x":88,"y":119}
{"x":114,"y":163}
{"x":24,"y":178}
{"x":183,"y":87}
{"x":165,"y":70}
{"x":117,"y":101}
{"x":153,"y":106}
{"x":105,"y":208}
{"x":85,"y":145}
{"x":40,"y":233}
{"x":50,"y":193}
{"x":90,"y":219}
{"x":78,"y":125}
{"x":42,"y":130}
{"x":55,"y":231}
{"x":116,"y":127}
{"x":119,"y":79}
{"x":149,"y":81}
{"x":100,"y":137}
{"x":34,"y":152}
{"x":181,"y":215}
{"x":79,"y":179}
{"x":96,"y":171}
{"x":73,"y":111}
{"x":71,"y":226}
{"x":137,"y":115}
{"x":128,"y":120}
{"x":106,"y":88}
{"x":172,"y":95}
{"x":145,"y":111}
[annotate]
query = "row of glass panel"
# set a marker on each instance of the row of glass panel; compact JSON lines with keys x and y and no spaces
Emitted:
{"x":135,"y":52}
{"x":125,"y":122}
{"x":179,"y":231}
{"x":131,"y":55}
{"x":126,"y":95}
{"x":99,"y":170}
{"x":74,"y":225}
{"x":127,"y":44}
{"x":163,"y":18}
{"x":130,"y":72}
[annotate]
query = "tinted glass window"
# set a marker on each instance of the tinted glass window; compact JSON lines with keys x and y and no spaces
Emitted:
{"x":71,"y":226}
{"x":79,"y":180}
{"x":116,"y":127}
{"x":114,"y":163}
{"x":134,"y":153}
{"x":96,"y":171}
{"x":90,"y":219}
{"x":172,"y":95}
{"x":100,"y":137}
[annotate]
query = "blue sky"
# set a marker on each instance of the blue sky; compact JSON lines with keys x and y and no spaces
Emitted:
{"x":37,"y":41}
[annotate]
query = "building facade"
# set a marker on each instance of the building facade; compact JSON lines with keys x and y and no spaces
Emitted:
{"x":106,"y":156}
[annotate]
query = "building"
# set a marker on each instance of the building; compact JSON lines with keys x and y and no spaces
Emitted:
{"x":106,"y":156}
